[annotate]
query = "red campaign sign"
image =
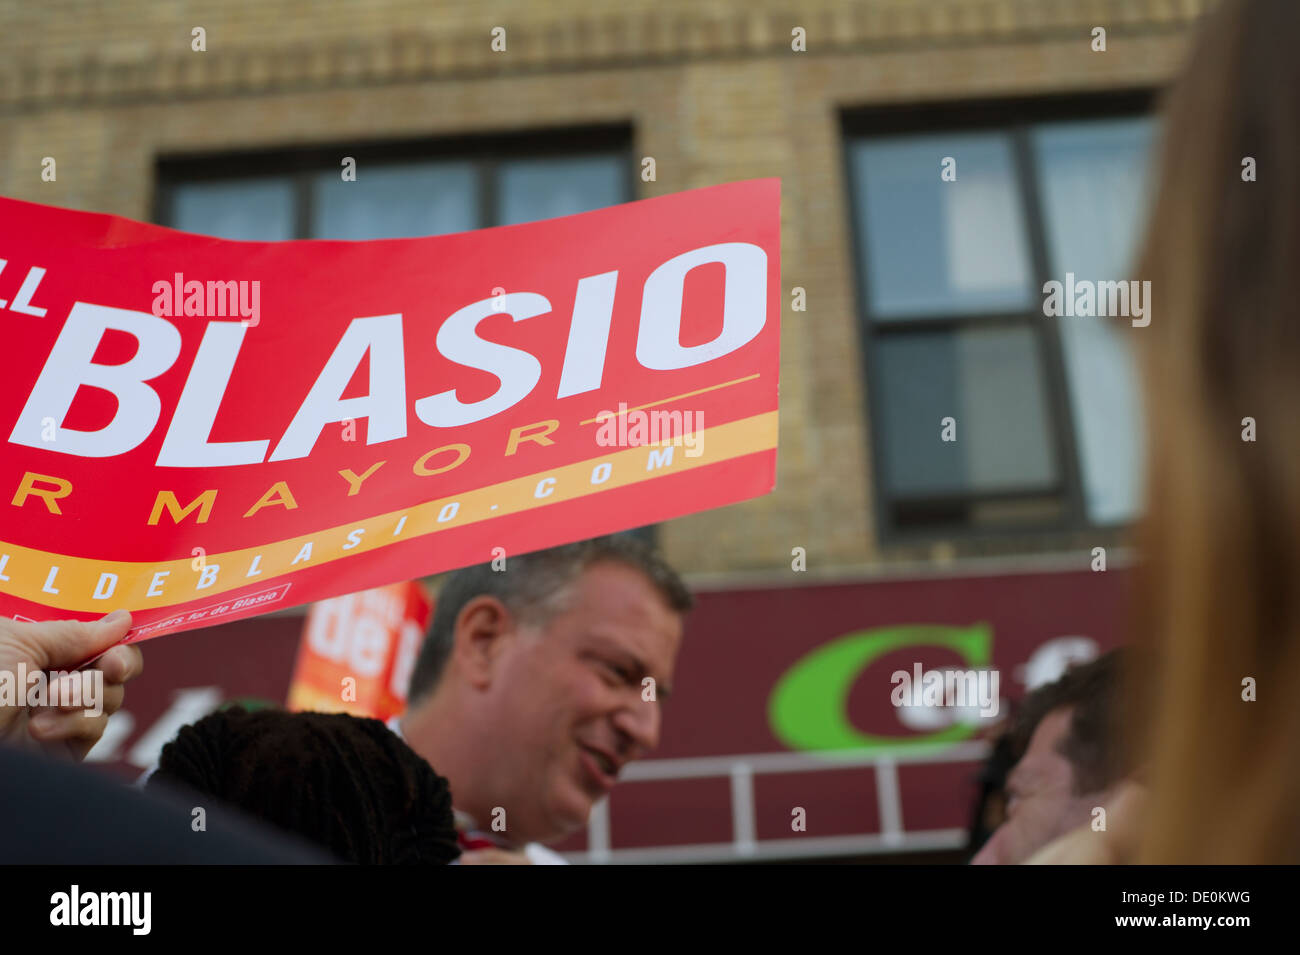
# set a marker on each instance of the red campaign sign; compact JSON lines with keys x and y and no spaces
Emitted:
{"x":201,"y":430}
{"x":357,"y":651}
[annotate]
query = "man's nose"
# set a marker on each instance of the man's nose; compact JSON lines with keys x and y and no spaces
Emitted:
{"x":639,"y":724}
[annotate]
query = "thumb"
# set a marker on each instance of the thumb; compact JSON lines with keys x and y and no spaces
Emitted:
{"x":60,"y":644}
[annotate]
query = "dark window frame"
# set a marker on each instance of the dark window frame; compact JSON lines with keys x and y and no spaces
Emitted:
{"x":300,"y":164}
{"x":1014,"y":119}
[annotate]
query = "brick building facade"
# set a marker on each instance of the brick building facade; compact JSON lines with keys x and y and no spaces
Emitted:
{"x":714,"y":92}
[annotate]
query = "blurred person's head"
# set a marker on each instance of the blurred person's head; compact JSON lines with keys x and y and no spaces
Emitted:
{"x":1218,"y":595}
{"x":1069,"y":761}
{"x":531,"y":690}
{"x":343,"y":782}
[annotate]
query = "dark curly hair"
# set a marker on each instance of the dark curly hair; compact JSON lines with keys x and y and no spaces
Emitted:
{"x":344,"y":782}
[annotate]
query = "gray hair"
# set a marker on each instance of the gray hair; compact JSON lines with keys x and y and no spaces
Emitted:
{"x":534,"y":587}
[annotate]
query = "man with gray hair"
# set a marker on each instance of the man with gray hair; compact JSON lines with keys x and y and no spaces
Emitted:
{"x":540,"y":678}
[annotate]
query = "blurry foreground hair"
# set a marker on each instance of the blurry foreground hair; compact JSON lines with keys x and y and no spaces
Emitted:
{"x":1219,"y":591}
{"x":343,"y":782}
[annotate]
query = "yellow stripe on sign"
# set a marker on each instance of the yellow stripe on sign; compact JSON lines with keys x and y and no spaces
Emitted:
{"x":86,"y":584}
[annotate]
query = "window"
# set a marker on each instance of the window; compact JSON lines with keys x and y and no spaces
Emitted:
{"x":1045,"y":410}
{"x":401,"y":190}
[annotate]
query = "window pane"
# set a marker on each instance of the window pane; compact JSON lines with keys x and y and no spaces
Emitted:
{"x":934,"y":247}
{"x":1093,"y":186}
{"x":251,"y":209}
{"x":533,"y":189}
{"x":396,"y":202}
{"x":989,"y":380}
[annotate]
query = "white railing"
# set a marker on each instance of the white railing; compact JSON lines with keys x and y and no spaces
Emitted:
{"x":745,"y":844}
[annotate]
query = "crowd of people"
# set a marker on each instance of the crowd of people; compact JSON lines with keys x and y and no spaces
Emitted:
{"x":526,"y":700}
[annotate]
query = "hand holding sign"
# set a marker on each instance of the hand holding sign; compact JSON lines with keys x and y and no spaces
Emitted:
{"x":60,"y":709}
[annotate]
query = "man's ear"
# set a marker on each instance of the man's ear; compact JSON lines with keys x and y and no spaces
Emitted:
{"x":484,"y":628}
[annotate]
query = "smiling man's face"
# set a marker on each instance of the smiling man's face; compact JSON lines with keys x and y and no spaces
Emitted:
{"x":571,"y":697}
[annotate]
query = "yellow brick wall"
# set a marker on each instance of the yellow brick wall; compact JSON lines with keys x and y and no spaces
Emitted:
{"x":712,"y":90}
